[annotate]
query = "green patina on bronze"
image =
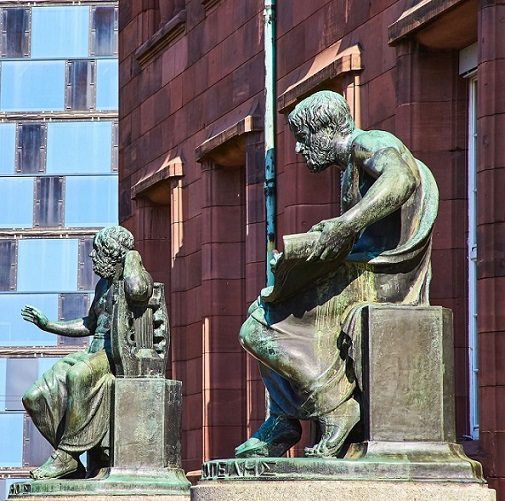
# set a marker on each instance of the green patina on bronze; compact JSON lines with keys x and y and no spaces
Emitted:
{"x":111,"y":400}
{"x":306,"y":331}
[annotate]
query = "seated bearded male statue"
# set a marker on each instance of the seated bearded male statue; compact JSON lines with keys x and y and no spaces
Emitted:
{"x":70,"y":403}
{"x":305,"y":331}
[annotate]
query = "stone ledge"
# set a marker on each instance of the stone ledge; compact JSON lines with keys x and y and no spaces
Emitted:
{"x":327,"y":66}
{"x":108,"y":497}
{"x":341,"y":490}
{"x":162,"y":38}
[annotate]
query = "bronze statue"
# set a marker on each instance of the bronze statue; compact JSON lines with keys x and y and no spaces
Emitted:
{"x":305,"y":331}
{"x":70,"y":403}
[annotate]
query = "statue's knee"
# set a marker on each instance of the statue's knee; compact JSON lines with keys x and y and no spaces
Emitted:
{"x":246,"y":334}
{"x":31,"y":399}
{"x":79,"y":375}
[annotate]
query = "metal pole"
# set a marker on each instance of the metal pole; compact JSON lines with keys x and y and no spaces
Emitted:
{"x":269,"y":130}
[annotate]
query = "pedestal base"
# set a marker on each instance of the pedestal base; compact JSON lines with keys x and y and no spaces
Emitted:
{"x":107,"y":497}
{"x":369,"y":461}
{"x":342,"y":490}
{"x":117,"y":483}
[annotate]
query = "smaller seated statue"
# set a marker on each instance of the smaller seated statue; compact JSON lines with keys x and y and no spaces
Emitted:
{"x":70,"y":404}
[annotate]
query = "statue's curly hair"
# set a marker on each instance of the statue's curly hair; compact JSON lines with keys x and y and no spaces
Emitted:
{"x":115,"y":242}
{"x":323,"y":110}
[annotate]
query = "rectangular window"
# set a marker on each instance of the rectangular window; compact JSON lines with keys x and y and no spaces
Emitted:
{"x":14,"y":331}
{"x":36,"y":449}
{"x":91,"y":201}
{"x":7,"y":148}
{"x":15,"y":28}
{"x":87,"y":279}
{"x":115,"y":146}
{"x":60,"y":32}
{"x":21,"y":374}
{"x":104,"y":30}
{"x":32,"y":86}
{"x":48,"y":206}
{"x":107,"y":84}
{"x":3,"y":382}
{"x":472,"y":259}
{"x":80,"y":85}
{"x":72,"y":306}
{"x":11,"y":452}
{"x":31,"y":148}
{"x":79,"y":147}
{"x":56,"y":265}
{"x":8,"y":260}
{"x":16,"y":195}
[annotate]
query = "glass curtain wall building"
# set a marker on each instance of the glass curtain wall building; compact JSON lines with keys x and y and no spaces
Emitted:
{"x":58,"y":187}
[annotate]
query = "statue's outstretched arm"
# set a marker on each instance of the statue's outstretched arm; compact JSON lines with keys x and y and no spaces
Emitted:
{"x":80,"y":327}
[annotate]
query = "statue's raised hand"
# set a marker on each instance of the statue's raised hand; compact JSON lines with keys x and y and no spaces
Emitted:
{"x":35,"y":316}
{"x":337,"y":237}
{"x":138,"y":283}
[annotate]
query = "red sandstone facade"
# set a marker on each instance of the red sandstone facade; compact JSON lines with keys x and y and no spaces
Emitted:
{"x":191,"y":175}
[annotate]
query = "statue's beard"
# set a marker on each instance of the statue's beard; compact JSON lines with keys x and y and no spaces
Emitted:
{"x":104,"y":269}
{"x":320,"y":155}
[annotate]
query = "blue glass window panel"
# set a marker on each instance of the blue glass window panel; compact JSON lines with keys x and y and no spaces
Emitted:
{"x":60,"y":32}
{"x":16,"y":36}
{"x":3,"y":383}
{"x":79,"y":148}
{"x":45,"y":364}
{"x":104,"y":26}
{"x":107,"y":84}
{"x":11,"y":438}
{"x":56,"y":265}
{"x":21,"y":373}
{"x":33,"y":86}
{"x":14,"y":331}
{"x":16,"y":195}
{"x":91,"y":201}
{"x":7,"y":148}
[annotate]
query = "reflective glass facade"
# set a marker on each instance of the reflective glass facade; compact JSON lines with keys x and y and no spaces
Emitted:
{"x":58,"y":187}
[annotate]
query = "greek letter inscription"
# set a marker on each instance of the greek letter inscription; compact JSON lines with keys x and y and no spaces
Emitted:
{"x":247,"y":468}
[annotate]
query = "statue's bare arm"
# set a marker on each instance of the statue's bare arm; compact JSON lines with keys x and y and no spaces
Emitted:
{"x":80,"y":327}
{"x":395,"y":182}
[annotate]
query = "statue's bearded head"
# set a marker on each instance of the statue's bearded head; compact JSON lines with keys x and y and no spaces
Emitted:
{"x":109,"y":249}
{"x":317,"y":123}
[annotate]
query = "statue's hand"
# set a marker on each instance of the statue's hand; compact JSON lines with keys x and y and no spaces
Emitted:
{"x":275,"y":259}
{"x":133,"y":262}
{"x":35,"y":316}
{"x":337,"y":235}
{"x":138,"y":282}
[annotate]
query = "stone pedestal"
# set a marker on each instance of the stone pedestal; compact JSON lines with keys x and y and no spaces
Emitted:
{"x":146,"y":450}
{"x":409,"y":452}
{"x":408,"y":374}
{"x":147,"y":423}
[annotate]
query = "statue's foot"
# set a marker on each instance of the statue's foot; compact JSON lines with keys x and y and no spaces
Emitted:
{"x":273,"y":439}
{"x":59,"y":465}
{"x":335,"y":428}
